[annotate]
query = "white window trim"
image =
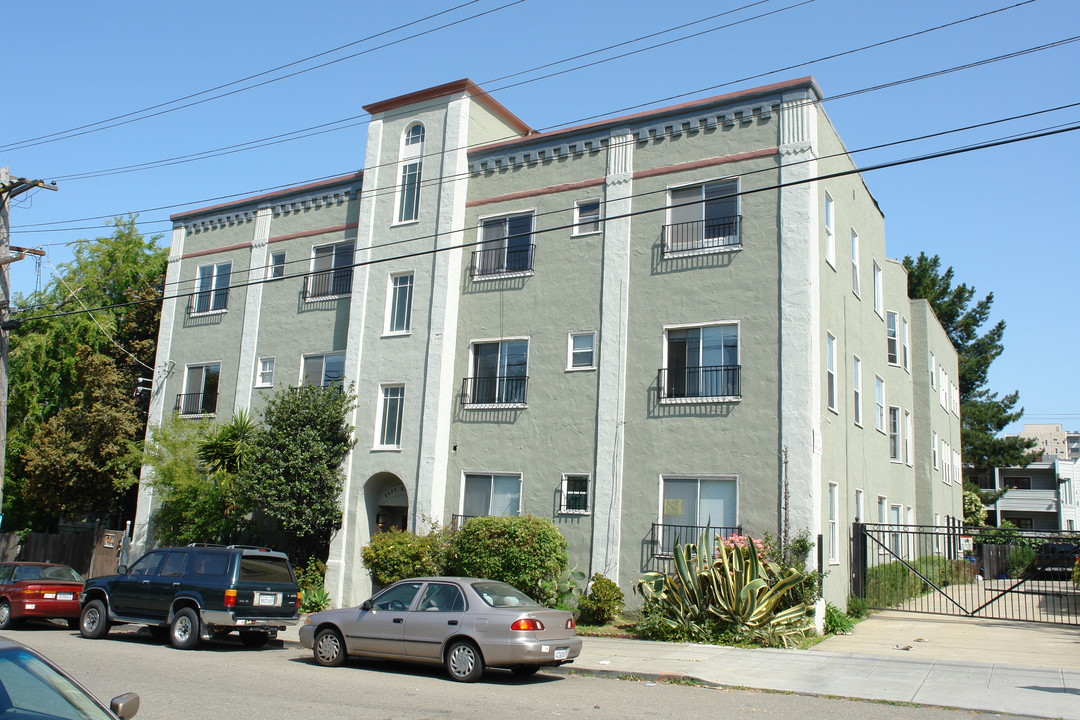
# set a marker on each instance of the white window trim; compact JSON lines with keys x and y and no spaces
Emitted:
{"x":664,"y":362}
{"x":472,"y":366}
{"x":270,"y":266}
{"x":933,"y":371}
{"x":738,"y":212}
{"x":934,"y":440}
{"x":212,"y":291}
{"x":856,"y":386}
{"x":909,"y":454}
{"x":831,"y":391}
{"x":834,"y":523}
{"x":577,"y":218}
{"x":305,"y":356}
{"x":480,"y":243}
{"x":408,"y":154}
{"x":860,"y":505}
{"x":879,"y":291}
{"x":856,"y":264}
{"x":905,"y":338}
{"x":491,"y":473}
{"x":696,"y":476}
{"x":881,"y":409}
{"x":184,"y":387}
{"x":380,"y":410}
{"x":388,"y":315}
{"x":312,"y":272}
{"x":830,"y":231}
{"x":898,"y":457}
{"x":889,"y":340}
{"x":259,"y":371}
{"x":563,"y":510}
{"x":570,"y":367}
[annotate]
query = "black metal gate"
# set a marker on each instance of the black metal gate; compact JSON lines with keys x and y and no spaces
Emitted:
{"x":996,"y":573}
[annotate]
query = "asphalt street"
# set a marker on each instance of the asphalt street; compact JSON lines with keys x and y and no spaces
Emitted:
{"x":225,"y":679}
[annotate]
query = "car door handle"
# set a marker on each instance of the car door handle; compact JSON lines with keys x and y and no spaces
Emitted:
{"x":176,"y":584}
{"x":399,"y":620}
{"x":451,"y":622}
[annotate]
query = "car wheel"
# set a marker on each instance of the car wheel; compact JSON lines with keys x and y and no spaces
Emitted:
{"x":6,"y":621}
{"x":254,"y":638}
{"x":524,"y":670}
{"x":463,"y":662}
{"x":93,"y":620}
{"x":184,"y":632}
{"x":329,"y":649}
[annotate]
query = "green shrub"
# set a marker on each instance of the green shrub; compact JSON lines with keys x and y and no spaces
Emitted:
{"x":520,"y":550}
{"x":602,"y":603}
{"x":311,"y":579}
{"x":892,"y":584}
{"x":396,"y":554}
{"x":1076,"y":573}
{"x":857,"y":607}
{"x":1020,"y":559}
{"x":837,"y":621}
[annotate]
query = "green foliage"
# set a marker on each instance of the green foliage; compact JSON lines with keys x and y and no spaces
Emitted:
{"x":602,"y":603}
{"x":562,"y":591}
{"x":224,"y":447}
{"x":1021,"y":558}
{"x":311,"y":579}
{"x":395,"y":554}
{"x":983,"y":414}
{"x":523,"y":551}
{"x":943,"y":572}
{"x":793,"y":556}
{"x":892,"y":584}
{"x":857,"y":607}
{"x":1076,"y":573}
{"x":837,"y":621}
{"x":737,"y":590}
{"x":974,"y":509}
{"x":292,"y":471}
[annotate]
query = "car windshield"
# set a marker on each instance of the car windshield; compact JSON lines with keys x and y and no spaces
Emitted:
{"x":46,"y":572}
{"x":501,"y":595}
{"x":31,"y":687}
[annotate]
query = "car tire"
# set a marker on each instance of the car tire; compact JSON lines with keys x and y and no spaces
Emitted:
{"x":464,"y":662}
{"x":6,"y":621}
{"x":254,"y":638}
{"x":329,"y":648}
{"x":524,"y":670}
{"x":184,"y":631}
{"x":94,"y":620}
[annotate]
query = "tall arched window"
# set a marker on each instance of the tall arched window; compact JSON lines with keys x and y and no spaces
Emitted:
{"x":412,"y":154}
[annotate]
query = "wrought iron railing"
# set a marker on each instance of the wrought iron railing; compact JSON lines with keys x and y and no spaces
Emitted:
{"x":502,"y":260}
{"x":666,"y":537}
{"x":710,"y":381}
{"x":209,"y":301}
{"x":196,"y":403}
{"x":715,"y":234}
{"x":494,"y":390}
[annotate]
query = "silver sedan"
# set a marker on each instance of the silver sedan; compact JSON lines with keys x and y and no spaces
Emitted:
{"x":466,"y":624}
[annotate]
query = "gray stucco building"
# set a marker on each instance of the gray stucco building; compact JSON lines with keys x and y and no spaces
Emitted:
{"x":635,"y":327}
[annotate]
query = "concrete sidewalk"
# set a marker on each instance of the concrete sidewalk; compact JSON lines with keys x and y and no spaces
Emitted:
{"x":892,"y":674}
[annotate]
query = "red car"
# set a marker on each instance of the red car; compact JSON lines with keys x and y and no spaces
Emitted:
{"x":38,"y":590}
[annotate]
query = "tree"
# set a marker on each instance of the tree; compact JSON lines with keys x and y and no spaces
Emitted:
{"x":293,"y":472}
{"x":983,"y":414}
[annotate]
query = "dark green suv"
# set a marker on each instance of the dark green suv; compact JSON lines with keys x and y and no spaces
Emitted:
{"x":194,"y":593}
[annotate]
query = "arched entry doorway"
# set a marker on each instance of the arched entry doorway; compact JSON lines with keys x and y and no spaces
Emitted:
{"x":391,"y":505}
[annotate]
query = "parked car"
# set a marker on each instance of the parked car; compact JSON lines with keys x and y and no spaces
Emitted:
{"x":38,"y":590}
{"x":33,"y":687}
{"x":466,"y":624}
{"x":1056,"y":558}
{"x":193,"y":593}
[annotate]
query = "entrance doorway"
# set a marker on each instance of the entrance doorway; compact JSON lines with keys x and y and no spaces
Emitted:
{"x":392,"y":506}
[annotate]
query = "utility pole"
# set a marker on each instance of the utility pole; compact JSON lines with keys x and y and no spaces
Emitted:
{"x":9,"y":188}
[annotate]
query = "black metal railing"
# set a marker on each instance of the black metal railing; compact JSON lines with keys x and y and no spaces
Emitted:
{"x":502,"y":260}
{"x":210,"y":301}
{"x":716,"y":234}
{"x":666,"y":537}
{"x":196,"y":403}
{"x":494,"y":390}
{"x":328,"y":283}
{"x":711,"y":381}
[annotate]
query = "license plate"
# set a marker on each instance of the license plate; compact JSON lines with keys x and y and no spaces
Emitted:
{"x":65,"y":596}
{"x":267,"y":599}
{"x":561,"y":653}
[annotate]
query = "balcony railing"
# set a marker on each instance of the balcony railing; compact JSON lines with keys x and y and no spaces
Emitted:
{"x":702,"y":235}
{"x":666,"y":537}
{"x":209,"y":301}
{"x":499,"y":261}
{"x":196,"y":403}
{"x":712,"y":381}
{"x":494,"y":390}
{"x":328,"y":283}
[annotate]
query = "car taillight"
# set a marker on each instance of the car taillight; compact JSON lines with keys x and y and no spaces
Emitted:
{"x":230,"y":598}
{"x":527,"y":624}
{"x":30,"y":590}
{"x":299,"y":597}
{"x":571,"y":625}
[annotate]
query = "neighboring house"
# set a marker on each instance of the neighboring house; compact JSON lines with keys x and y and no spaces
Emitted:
{"x":1053,"y":440}
{"x":636,"y":327}
{"x":1041,"y":496}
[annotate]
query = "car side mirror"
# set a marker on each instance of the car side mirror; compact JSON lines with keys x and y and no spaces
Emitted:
{"x":366,"y":605}
{"x":121,"y":569}
{"x":125,"y":706}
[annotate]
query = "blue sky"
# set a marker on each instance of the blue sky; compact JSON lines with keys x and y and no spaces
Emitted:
{"x":998,"y":216}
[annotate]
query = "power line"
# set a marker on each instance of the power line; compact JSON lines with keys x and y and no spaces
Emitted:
{"x":635,"y":213}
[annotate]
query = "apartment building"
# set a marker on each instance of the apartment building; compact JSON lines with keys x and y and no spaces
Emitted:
{"x":637,"y":327}
{"x":1040,"y":496}
{"x":1053,"y":440}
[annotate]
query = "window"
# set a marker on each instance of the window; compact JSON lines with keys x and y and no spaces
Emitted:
{"x":946,"y":466}
{"x":879,"y":403}
{"x":700,"y":502}
{"x":1016,"y":483}
{"x":702,"y":362}
{"x":703,"y":217}
{"x":587,"y":217}
{"x":856,"y":286}
{"x":933,"y":372}
{"x":904,"y":343}
{"x":830,"y":230}
{"x":1022,"y":523}
{"x":894,"y":433}
{"x":582,"y":350}
{"x":391,"y":409}
{"x":491,"y":495}
{"x":500,"y":373}
{"x":907,"y":438}
{"x":834,"y":523}
{"x":323,"y":370}
{"x":934,"y":449}
{"x":399,"y":310}
{"x":943,"y":387}
{"x":200,"y":390}
{"x":830,"y":371}
{"x":412,"y":151}
{"x":277,"y":265}
{"x":879,"y":290}
{"x":892,"y":338}
{"x":331,"y":270}
{"x":438,"y":597}
{"x":856,"y":388}
{"x":859,"y":501}
{"x":896,"y":540}
{"x":265,"y":377}
{"x":213,"y":288}
{"x":882,"y":509}
{"x":507,"y":246}
{"x":575,"y":494}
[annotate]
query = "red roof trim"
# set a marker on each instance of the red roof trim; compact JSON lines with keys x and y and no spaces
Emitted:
{"x":359,"y":175}
{"x":709,"y":162}
{"x":464,"y":85}
{"x":565,"y":187}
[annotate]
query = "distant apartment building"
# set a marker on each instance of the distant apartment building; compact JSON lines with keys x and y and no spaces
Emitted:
{"x":1053,"y":440}
{"x":1040,"y":496}
{"x":639,"y":328}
